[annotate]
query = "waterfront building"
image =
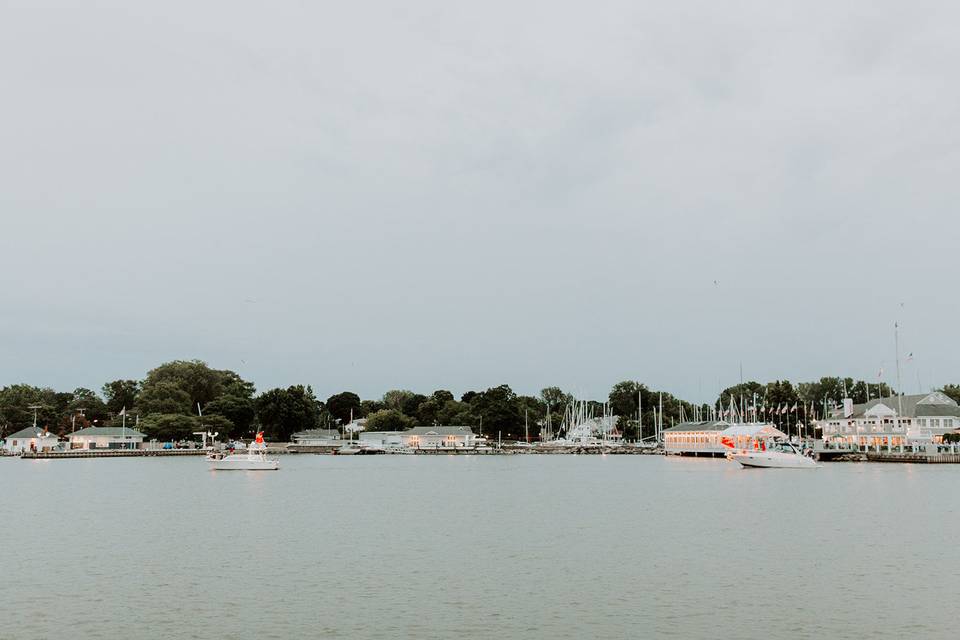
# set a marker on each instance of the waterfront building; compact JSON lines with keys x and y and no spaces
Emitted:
{"x":892,"y":421}
{"x":381,"y":439}
{"x":439,"y":438}
{"x":106,"y":438}
{"x":715,"y":437}
{"x":30,"y":439}
{"x":316,"y":437}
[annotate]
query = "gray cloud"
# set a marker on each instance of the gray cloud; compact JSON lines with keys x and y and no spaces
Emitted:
{"x":434,"y":195}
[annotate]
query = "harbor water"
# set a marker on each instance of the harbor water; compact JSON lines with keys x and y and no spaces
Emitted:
{"x":476,"y":547}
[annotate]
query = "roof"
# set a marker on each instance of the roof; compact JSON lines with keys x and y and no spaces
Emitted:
{"x":330,"y":434}
{"x":29,"y":432}
{"x":108,"y":432}
{"x":752,"y":429}
{"x":755,"y":429}
{"x":917,"y":405}
{"x":440,"y":431}
{"x":704,"y":425}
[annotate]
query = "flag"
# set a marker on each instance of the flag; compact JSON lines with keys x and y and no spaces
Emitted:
{"x":910,"y":356}
{"x":880,"y":373}
{"x":259,"y":437}
{"x":123,"y":412}
{"x":794,"y":408}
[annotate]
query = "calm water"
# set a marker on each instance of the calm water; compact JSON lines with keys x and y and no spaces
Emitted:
{"x":476,"y":547}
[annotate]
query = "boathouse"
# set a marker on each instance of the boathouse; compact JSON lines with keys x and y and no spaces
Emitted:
{"x":382,"y":439}
{"x":892,"y":421}
{"x":316,"y":437}
{"x":106,"y":438}
{"x":715,"y":437}
{"x":438,"y":437}
{"x":30,"y":439}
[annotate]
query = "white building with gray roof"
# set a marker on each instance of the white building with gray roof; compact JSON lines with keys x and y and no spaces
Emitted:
{"x":30,"y":439}
{"x":892,"y":421}
{"x":439,"y":438}
{"x":106,"y":438}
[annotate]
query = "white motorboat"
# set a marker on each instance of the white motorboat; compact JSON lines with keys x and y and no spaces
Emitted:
{"x":348,"y":450}
{"x":253,"y":459}
{"x":780,"y":455}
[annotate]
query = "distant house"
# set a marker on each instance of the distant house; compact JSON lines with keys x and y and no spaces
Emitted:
{"x":892,"y":421}
{"x":315,"y":437}
{"x":30,"y":439}
{"x":439,"y":437}
{"x":355,"y":426}
{"x":106,"y":438}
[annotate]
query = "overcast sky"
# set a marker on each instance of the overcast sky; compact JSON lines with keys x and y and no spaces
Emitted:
{"x":371,"y":195}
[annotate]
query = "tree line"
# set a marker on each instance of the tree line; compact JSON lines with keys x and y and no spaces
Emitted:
{"x":178,"y":398}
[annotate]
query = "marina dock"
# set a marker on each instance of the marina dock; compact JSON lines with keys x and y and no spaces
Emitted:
{"x":111,"y":453}
{"x":918,"y":458}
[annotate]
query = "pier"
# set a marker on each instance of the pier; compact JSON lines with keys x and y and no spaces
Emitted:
{"x":111,"y":453}
{"x":919,"y":458}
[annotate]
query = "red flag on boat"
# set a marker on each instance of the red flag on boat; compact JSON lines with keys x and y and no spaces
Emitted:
{"x":259,"y":437}
{"x":727,"y":442}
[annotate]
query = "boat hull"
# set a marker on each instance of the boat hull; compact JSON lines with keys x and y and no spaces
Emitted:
{"x":773,"y":460}
{"x":226,"y":464}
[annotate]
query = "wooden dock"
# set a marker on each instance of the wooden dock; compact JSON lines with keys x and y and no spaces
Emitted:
{"x":110,"y":453}
{"x":918,"y":458}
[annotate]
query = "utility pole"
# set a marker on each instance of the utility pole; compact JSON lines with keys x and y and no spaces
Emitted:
{"x":35,"y":407}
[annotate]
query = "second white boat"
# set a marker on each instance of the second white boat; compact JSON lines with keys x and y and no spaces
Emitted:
{"x":253,"y":459}
{"x":781,"y":455}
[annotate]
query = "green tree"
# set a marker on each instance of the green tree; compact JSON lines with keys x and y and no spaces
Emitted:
{"x":625,"y":399}
{"x":745,"y":393}
{"x":367,"y":407}
{"x":167,"y":427}
{"x":430,"y":410}
{"x":282,"y":412}
{"x":411,"y":406}
{"x":952,"y":391}
{"x":457,"y":414}
{"x":235,"y":403}
{"x":396,"y":398}
{"x":87,"y":401}
{"x":120,"y":394}
{"x":201,"y":383}
{"x":239,"y":411}
{"x":554,"y":397}
{"x":223,"y":427}
{"x":342,"y":404}
{"x":442,"y":396}
{"x":15,"y":412}
{"x":498,"y":408}
{"x":164,"y":397}
{"x":389,"y":420}
{"x":532,"y":413}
